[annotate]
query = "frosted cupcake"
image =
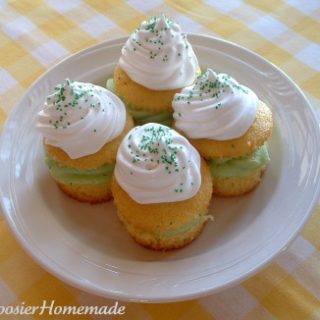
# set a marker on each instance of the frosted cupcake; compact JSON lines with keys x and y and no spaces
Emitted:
{"x":155,"y":63}
{"x":161,"y":187}
{"x":83,"y":125}
{"x":229,"y":126}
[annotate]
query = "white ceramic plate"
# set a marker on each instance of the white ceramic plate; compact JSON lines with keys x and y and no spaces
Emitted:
{"x":86,"y":245}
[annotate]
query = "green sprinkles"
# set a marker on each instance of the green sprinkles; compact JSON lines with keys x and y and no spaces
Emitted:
{"x":70,"y":95}
{"x":154,"y":31}
{"x":205,"y":87}
{"x":157,"y":149}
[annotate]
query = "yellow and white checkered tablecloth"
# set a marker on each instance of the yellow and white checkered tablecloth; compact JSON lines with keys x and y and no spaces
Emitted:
{"x":35,"y":35}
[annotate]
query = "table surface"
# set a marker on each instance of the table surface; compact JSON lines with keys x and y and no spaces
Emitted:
{"x":34,"y":35}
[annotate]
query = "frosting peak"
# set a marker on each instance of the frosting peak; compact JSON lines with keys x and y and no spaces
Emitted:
{"x":158,"y":56}
{"x":156,"y":164}
{"x":216,"y":107}
{"x":80,"y":118}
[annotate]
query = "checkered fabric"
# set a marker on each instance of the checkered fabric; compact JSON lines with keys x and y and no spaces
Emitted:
{"x":35,"y":35}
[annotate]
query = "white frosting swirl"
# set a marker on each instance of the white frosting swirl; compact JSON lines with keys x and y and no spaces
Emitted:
{"x":156,"y":164}
{"x":80,"y":118}
{"x":216,"y":107}
{"x":158,"y":56}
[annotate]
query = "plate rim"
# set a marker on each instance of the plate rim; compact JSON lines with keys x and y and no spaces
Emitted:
{"x":103,"y":292}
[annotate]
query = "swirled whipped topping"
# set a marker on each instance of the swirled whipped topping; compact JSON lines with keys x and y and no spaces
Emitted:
{"x":158,"y":56}
{"x":156,"y":164}
{"x":80,"y":118}
{"x":216,"y":107}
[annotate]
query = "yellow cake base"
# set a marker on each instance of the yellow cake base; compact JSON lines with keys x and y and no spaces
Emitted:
{"x":141,"y":97}
{"x":148,"y":223}
{"x":93,"y":193}
{"x":150,"y":241}
{"x":87,"y":193}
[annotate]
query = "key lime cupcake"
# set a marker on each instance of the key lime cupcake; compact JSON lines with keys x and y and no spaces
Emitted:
{"x":229,"y":126}
{"x":83,"y":125}
{"x":161,"y":187}
{"x":155,"y":63}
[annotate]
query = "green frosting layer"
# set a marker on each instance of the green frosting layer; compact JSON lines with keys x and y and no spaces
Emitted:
{"x":200,"y":218}
{"x":184,"y":228}
{"x":68,"y":175}
{"x":142,"y":117}
{"x":242,"y":166}
{"x":110,"y":85}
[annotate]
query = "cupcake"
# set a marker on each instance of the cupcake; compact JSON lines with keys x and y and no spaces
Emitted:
{"x":229,"y":126}
{"x":155,"y":63}
{"x":83,"y":125}
{"x":161,"y":187}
